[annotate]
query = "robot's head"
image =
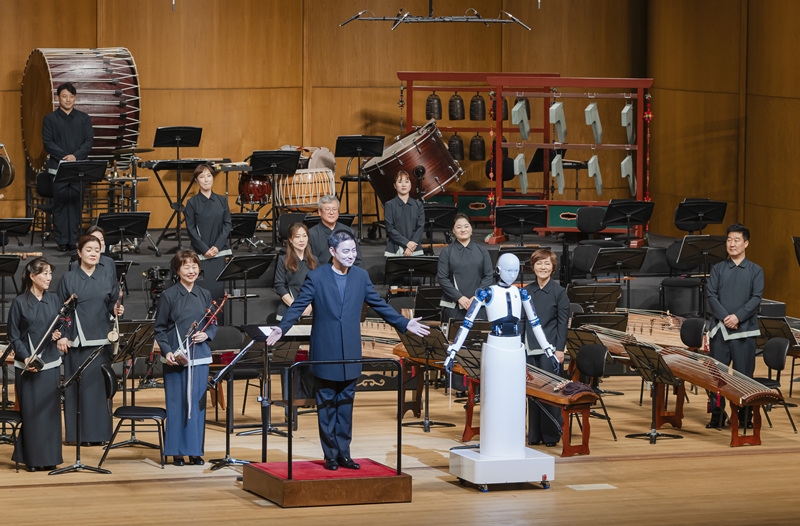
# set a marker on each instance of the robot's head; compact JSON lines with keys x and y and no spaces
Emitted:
{"x":507,"y":269}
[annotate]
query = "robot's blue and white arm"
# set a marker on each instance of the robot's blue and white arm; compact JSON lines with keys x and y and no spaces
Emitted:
{"x":481,"y":297}
{"x":533,"y":321}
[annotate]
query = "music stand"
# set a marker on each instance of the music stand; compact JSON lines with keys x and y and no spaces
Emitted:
{"x":411,"y":266}
{"x":272,"y":163}
{"x":17,"y":227}
{"x":617,"y":321}
{"x":439,"y":217}
{"x":136,"y":341}
{"x":630,"y":212}
{"x":119,"y":226}
{"x":621,"y":260}
{"x":8,"y":267}
{"x":705,"y":251}
{"x":652,"y":368}
{"x":469,"y":358}
{"x":577,"y":338}
{"x":434,"y":345}
{"x":519,"y":220}
{"x":4,"y":403}
{"x":426,"y":302}
{"x":246,"y":267}
{"x":694,"y":213}
{"x":359,"y":146}
{"x":600,"y":298}
{"x":76,"y":379}
{"x":227,"y":371}
{"x":243,"y":228}
{"x":796,"y":243}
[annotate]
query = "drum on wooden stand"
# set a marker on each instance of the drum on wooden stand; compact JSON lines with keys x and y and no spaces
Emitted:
{"x":424,"y":155}
{"x":254,"y":189}
{"x":108,"y":90}
{"x":304,"y":189}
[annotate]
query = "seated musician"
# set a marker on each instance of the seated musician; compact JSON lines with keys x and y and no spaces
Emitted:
{"x":291,"y":269}
{"x":464,"y":267}
{"x":405,"y":220}
{"x":328,"y":209}
{"x":552,"y":306}
{"x":185,"y":382}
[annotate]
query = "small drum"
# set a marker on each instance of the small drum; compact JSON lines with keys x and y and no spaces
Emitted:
{"x":254,"y":189}
{"x":424,"y":155}
{"x":303,"y":190}
{"x":108,"y":90}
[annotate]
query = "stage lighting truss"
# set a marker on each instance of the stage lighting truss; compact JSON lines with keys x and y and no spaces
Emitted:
{"x":405,"y":17}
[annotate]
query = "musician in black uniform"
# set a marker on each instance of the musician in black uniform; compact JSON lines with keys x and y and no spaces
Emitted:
{"x":291,"y":269}
{"x":735,"y":289}
{"x":405,"y":220}
{"x":105,"y":264}
{"x":185,"y":385}
{"x":31,"y":313}
{"x":328,"y":209}
{"x":98,"y":302}
{"x":463,"y":268}
{"x":552,"y":306}
{"x":67,"y":136}
{"x":208,"y":222}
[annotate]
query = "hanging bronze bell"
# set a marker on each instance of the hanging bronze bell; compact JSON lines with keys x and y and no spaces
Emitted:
{"x":527,"y":105}
{"x":433,"y":107}
{"x":456,"y":146}
{"x":477,"y":148}
{"x":455,"y":108}
{"x":505,"y":108}
{"x":477,"y":108}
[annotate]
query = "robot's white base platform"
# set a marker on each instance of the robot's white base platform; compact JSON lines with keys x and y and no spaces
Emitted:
{"x":470,"y":465}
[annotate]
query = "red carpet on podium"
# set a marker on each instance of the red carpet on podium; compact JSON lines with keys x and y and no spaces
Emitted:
{"x":315,"y":470}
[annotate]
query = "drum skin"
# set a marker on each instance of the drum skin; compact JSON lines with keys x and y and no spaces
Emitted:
{"x":108,"y":90}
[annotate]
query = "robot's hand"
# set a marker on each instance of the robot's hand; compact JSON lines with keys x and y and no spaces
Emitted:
{"x":450,"y":361}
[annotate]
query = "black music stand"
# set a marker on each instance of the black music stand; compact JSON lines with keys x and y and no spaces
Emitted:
{"x":519,"y":220}
{"x":17,"y":227}
{"x":629,"y":212}
{"x":622,"y":260}
{"x":227,"y":371}
{"x":136,"y":341}
{"x":774,"y":328}
{"x":577,"y":338}
{"x":652,"y":367}
{"x":177,"y":137}
{"x":243,"y":229}
{"x":439,"y":217}
{"x":272,"y":163}
{"x":120,"y":226}
{"x":694,"y":214}
{"x":796,"y":243}
{"x":705,"y":251}
{"x":469,"y":358}
{"x":617,"y":321}
{"x":76,"y":379}
{"x":426,"y":302}
{"x":80,"y":172}
{"x":8,"y":267}
{"x":411,"y":266}
{"x":244,"y":268}
{"x":359,"y":146}
{"x":434,"y":345}
{"x":600,"y":298}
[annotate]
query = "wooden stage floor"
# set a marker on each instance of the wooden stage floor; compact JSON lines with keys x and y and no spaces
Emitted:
{"x":698,"y":479}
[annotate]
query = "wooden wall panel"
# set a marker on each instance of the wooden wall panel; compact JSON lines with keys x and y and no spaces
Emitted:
{"x":208,"y":43}
{"x":773,"y":64}
{"x":13,"y":204}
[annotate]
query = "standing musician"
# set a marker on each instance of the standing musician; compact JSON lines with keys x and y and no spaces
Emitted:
{"x":292,"y":269}
{"x":405,"y":220}
{"x":328,"y":209}
{"x":551,"y":304}
{"x":208,"y":222}
{"x":98,"y":302}
{"x":30,"y":316}
{"x":67,"y":136}
{"x":105,"y":264}
{"x":181,"y":306}
{"x":734,"y":291}
{"x":463,"y":268}
{"x":337,"y":292}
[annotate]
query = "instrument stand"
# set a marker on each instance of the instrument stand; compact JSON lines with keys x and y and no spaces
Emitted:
{"x":622,"y":260}
{"x":244,"y":268}
{"x":272,"y":163}
{"x":76,"y":379}
{"x":138,"y":340}
{"x":439,"y":217}
{"x":629,"y":211}
{"x":705,"y":251}
{"x":652,"y":367}
{"x":411,"y":267}
{"x":359,"y":146}
{"x":434,"y":345}
{"x":227,"y":371}
{"x":519,"y":220}
{"x":699,"y":213}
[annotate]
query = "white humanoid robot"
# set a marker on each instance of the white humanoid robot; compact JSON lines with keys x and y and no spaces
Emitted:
{"x":503,"y":457}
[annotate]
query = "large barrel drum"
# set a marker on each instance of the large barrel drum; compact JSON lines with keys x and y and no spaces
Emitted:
{"x":108,"y":90}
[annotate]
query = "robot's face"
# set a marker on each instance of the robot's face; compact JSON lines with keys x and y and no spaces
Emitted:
{"x":508,"y":268}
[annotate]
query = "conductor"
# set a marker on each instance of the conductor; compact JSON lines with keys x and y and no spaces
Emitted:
{"x":337,"y":291}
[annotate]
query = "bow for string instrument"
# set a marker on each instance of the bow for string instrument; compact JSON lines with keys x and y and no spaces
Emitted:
{"x":181,"y":355}
{"x":61,"y":319}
